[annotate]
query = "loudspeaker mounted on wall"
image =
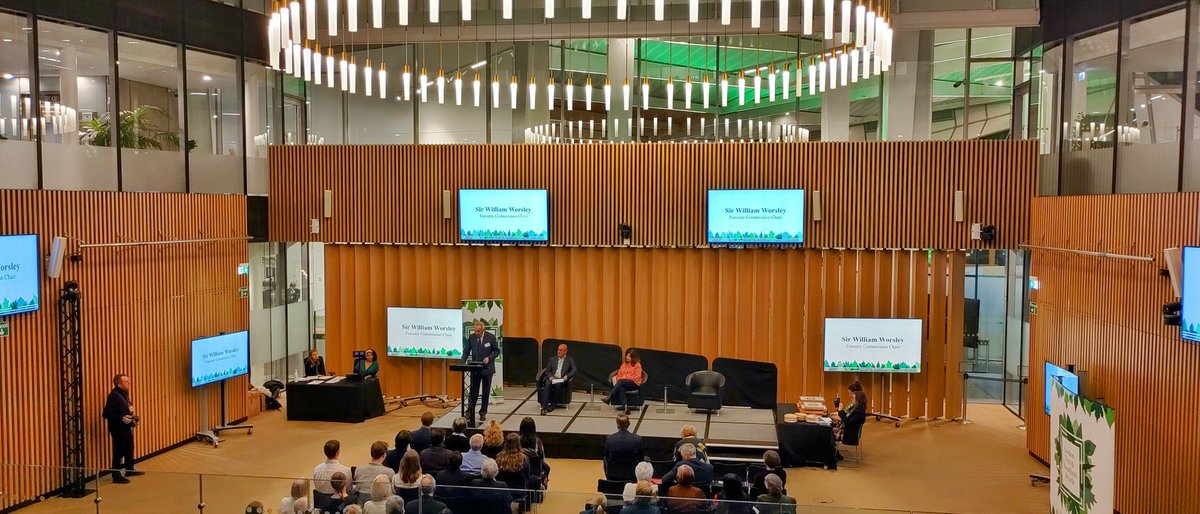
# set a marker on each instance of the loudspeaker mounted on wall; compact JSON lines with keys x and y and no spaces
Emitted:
{"x":958,"y":206}
{"x":1174,"y":258}
{"x":446,"y":204}
{"x":816,"y":205}
{"x":328,"y":203}
{"x":55,"y":261}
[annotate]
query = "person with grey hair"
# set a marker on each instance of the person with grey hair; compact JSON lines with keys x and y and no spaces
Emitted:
{"x":426,"y":504}
{"x":644,"y":472}
{"x":488,"y":495}
{"x":775,"y":502}
{"x":394,"y":505}
{"x":472,"y":461}
{"x":702,"y":471}
{"x":300,"y":506}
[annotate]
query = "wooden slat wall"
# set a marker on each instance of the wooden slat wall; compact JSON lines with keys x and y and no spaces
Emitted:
{"x":765,"y":305}
{"x":141,"y":307}
{"x":1104,"y":315}
{"x":874,"y":195}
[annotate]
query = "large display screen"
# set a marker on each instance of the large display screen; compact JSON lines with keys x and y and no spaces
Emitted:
{"x":756,"y":216}
{"x":20,"y":275}
{"x":1069,"y":380}
{"x":504,"y":215}
{"x":879,"y":345}
{"x":220,"y":357}
{"x":1190,"y":293}
{"x":426,"y":333}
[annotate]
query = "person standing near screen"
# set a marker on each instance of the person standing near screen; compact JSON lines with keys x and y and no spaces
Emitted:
{"x":482,"y":346}
{"x":118,"y":411}
{"x":314,"y":365}
{"x":368,"y":366}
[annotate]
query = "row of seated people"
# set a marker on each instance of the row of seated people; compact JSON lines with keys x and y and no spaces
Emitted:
{"x":684,"y":497}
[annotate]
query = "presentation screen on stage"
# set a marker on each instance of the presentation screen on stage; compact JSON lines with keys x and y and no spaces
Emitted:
{"x":508,"y":215}
{"x":1066,"y":378}
{"x":873,"y":345}
{"x":1190,"y":291}
{"x":756,"y":216}
{"x":220,"y":357}
{"x":426,"y":333}
{"x":20,"y":275}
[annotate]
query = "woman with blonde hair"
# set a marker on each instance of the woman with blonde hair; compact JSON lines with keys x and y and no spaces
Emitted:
{"x":408,"y":480}
{"x":493,"y":439}
{"x":299,"y":490}
{"x":688,"y":435}
{"x":381,"y":491}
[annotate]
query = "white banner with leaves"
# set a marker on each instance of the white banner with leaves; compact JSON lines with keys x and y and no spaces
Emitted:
{"x":1082,"y":443}
{"x":491,"y":313}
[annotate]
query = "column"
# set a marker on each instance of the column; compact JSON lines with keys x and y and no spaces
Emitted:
{"x":531,"y":59}
{"x":835,"y":108}
{"x":620,"y":68}
{"x":908,"y":88}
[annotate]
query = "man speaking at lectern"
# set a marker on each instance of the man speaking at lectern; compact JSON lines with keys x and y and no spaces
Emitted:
{"x":481,"y":347}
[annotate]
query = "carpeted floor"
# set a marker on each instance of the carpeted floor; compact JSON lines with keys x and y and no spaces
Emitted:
{"x":925,"y":466}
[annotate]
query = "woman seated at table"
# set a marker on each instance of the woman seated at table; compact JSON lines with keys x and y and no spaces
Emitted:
{"x":368,"y":366}
{"x":628,"y":378}
{"x":851,"y":419}
{"x":314,"y":365}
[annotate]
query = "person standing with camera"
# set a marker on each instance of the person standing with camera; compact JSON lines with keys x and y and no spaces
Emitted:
{"x":118,"y":411}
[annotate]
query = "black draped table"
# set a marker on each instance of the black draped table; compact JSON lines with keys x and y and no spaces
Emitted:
{"x":344,"y":401}
{"x":804,"y":444}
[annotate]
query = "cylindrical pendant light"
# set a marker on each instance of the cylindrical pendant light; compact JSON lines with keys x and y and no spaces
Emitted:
{"x":512,"y":92}
{"x":458,"y":84}
{"x":297,"y":62}
{"x":331,"y":7}
{"x":755,"y":14}
{"x":625,"y":93}
{"x":741,"y":89}
{"x":465,"y":7}
{"x":495,"y":91}
{"x":670,"y":92}
{"x":570,"y":94}
{"x":771,"y":86}
{"x":532,"y":96}
{"x":352,"y":15}
{"x":854,"y":65}
{"x":587,"y":9}
{"x":693,"y":11}
{"x":808,"y":17}
{"x":435,"y":11}
{"x":310,"y":19}
{"x":622,"y":9}
{"x":382,"y":80}
{"x":506,"y":9}
{"x":550,"y":94}
{"x":687,"y":92}
{"x":827,"y":15}
{"x":423,"y":84}
{"x":402,"y":6}
{"x":475,"y":89}
{"x":870,"y":31}
{"x":368,"y":79}
{"x":822,"y":70}
{"x":860,"y":25}
{"x":441,"y":87}
{"x":353,"y":73}
{"x":316,"y":64}
{"x":306,"y":58}
{"x":866,"y":63}
{"x":787,"y":81}
{"x":330,"y":68}
{"x":705,"y":91}
{"x":833,"y":72}
{"x":549,"y":9}
{"x":377,"y":14}
{"x":757,"y":91}
{"x":273,"y":35}
{"x":607,"y":95}
{"x":285,"y":26}
{"x":726,"y":9}
{"x":587,"y":94}
{"x":406,"y":82}
{"x":783,"y":15}
{"x":660,"y":9}
{"x":645,"y":93}
{"x":846,"y":9}
{"x":724,"y":90}
{"x":297,"y":36}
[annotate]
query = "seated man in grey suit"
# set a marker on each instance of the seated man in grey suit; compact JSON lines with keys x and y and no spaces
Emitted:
{"x":559,"y":371}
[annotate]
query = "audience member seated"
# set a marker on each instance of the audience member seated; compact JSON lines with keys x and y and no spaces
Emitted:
{"x":771,"y":459}
{"x":775,"y":502}
{"x":353,"y":509}
{"x":342,"y":496}
{"x":422,"y":438}
{"x":299,"y":490}
{"x":324,"y":470}
{"x":255,"y":507}
{"x":392,"y":460}
{"x":300,"y":506}
{"x":683,"y":497}
{"x":434,"y":458}
{"x":488,"y":495}
{"x":381,"y":491}
{"x":733,"y":499}
{"x":394,"y":505}
{"x":622,"y":451}
{"x":426,"y":504}
{"x":643,"y":504}
{"x":514,"y":465}
{"x":493,"y":439}
{"x":595,"y":505}
{"x":407,"y":481}
{"x":688,"y":435}
{"x":531,"y":444}
{"x":457,"y":440}
{"x":453,"y":480}
{"x":557,"y":375}
{"x":644,"y":472}
{"x":364,"y":475}
{"x":628,"y":378}
{"x":702,"y":472}
{"x":472,"y":461}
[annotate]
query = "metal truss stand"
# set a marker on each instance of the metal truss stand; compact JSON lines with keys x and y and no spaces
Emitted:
{"x":70,"y":354}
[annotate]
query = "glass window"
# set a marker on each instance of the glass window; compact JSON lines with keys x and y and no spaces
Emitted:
{"x":991,"y":96}
{"x":325,"y":108}
{"x":949,"y":83}
{"x":1088,"y":161}
{"x":17,"y":148}
{"x":1147,"y":137}
{"x":449,"y":122}
{"x":991,"y":42}
{"x":1048,"y":82}
{"x":73,"y":70}
{"x":503,"y":66}
{"x":1191,"y":167}
{"x":214,"y":110}
{"x":151,"y":116}
{"x":262,"y":98}
{"x":389,"y":121}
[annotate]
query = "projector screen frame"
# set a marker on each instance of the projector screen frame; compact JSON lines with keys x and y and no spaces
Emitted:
{"x":906,"y":370}
{"x":458,"y":322}
{"x":192,"y":354}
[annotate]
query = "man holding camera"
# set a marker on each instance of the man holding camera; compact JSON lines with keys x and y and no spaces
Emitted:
{"x":118,"y":411}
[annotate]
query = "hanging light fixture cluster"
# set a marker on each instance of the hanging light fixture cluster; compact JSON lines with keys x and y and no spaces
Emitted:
{"x":729,"y":130}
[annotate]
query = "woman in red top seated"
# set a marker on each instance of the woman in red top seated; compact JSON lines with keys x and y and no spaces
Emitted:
{"x":628,"y":378}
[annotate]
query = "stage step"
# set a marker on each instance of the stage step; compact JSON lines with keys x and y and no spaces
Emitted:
{"x":737,"y":452}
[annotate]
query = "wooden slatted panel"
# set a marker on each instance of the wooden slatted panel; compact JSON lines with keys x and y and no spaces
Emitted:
{"x":1104,"y":316}
{"x":874,"y":195}
{"x":141,"y":307}
{"x":954,"y":337}
{"x":936,"y":372}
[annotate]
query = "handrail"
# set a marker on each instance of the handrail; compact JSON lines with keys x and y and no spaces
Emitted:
{"x":1141,"y":258}
{"x":154,"y":243}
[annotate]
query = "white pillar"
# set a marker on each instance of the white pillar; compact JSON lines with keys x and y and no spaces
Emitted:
{"x":908,"y":88}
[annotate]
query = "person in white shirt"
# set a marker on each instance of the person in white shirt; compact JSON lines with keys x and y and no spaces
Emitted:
{"x":366,"y":473}
{"x":323,"y":471}
{"x":472,"y":461}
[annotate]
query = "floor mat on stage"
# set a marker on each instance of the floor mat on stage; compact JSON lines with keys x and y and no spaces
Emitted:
{"x":744,"y":415}
{"x":743,"y":432}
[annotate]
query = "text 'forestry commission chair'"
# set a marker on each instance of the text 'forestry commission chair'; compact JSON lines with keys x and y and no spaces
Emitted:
{"x":633,"y":398}
{"x":705,"y":390}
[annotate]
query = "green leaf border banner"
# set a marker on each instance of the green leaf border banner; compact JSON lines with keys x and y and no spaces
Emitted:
{"x":1082,"y":433}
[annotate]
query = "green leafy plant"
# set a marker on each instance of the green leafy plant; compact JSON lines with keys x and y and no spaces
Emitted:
{"x":136,"y":130}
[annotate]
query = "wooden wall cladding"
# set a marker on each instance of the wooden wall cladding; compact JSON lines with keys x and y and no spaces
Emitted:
{"x":874,"y":195}
{"x":1104,"y":315}
{"x":141,"y":307}
{"x":760,"y":304}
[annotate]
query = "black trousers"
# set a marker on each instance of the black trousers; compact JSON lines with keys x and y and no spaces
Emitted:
{"x":122,"y":443}
{"x":617,"y":396}
{"x":478,"y":379}
{"x":546,"y":393}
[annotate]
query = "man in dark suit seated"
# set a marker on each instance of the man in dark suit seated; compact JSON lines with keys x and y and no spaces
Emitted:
{"x":623,"y":449}
{"x":559,"y":371}
{"x":453,"y":480}
{"x":488,"y":495}
{"x":426,"y":504}
{"x":436,"y":458}
{"x":457,"y":441}
{"x":702,"y":471}
{"x":421,"y":437}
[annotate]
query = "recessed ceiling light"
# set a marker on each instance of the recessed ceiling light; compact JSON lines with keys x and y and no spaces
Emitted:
{"x":66,"y":41}
{"x":6,"y":40}
{"x":999,"y":82}
{"x":7,"y":76}
{"x":207,"y":78}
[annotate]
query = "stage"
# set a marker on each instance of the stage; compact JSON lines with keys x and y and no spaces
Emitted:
{"x":578,"y":430}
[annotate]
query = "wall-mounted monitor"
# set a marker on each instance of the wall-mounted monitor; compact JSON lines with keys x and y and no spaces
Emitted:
{"x":220,"y":357}
{"x":504,"y":215}
{"x":20,"y":274}
{"x":755,"y":216}
{"x":424,"y":333}
{"x":1069,"y":380}
{"x":1190,"y":294}
{"x":874,"y":345}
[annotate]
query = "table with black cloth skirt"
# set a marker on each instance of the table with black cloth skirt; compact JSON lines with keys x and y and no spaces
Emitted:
{"x":344,"y":401}
{"x":804,"y":444}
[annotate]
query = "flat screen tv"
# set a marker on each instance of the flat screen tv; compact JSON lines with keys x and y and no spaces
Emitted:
{"x":1069,"y":380}
{"x":1190,"y":294}
{"x":504,"y":215}
{"x":20,"y":274}
{"x":220,"y":357}
{"x":876,"y":345}
{"x":755,"y":216}
{"x":424,"y":333}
